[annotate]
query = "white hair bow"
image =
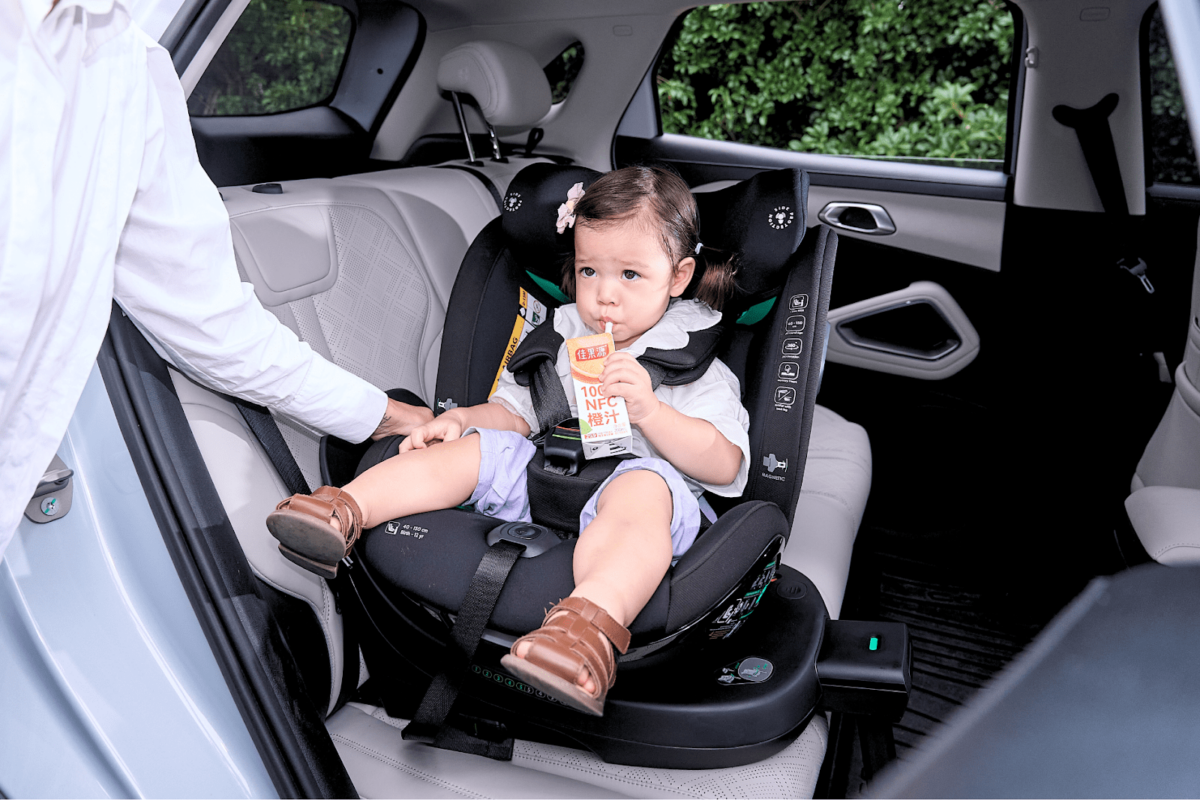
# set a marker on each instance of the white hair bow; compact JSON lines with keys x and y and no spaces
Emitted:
{"x":566,"y":212}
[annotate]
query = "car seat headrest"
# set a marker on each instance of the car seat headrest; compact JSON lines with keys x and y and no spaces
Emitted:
{"x":506,"y":82}
{"x":530,"y":215}
{"x":762,"y":220}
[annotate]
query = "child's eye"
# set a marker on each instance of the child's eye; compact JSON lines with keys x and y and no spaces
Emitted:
{"x":630,"y":275}
{"x":587,"y":272}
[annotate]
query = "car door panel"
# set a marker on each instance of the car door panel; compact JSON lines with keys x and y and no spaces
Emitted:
{"x":925,"y":424}
{"x":956,"y":229}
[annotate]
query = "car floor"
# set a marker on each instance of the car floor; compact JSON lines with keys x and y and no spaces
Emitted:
{"x":965,"y":623}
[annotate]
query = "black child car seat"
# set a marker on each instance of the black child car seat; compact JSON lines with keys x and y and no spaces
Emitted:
{"x":441,"y":596}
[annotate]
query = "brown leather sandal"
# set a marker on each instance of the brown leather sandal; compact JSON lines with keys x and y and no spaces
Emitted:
{"x":308,"y":537}
{"x":576,"y":639}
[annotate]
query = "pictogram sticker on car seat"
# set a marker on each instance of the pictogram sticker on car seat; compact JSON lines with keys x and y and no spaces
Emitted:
{"x":531,"y":313}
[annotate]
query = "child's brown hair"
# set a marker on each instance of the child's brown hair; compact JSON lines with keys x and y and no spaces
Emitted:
{"x":628,"y":191}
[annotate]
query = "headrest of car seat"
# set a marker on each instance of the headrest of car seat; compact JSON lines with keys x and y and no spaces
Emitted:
{"x":507,"y":83}
{"x":762,"y":220}
{"x":530,"y":216}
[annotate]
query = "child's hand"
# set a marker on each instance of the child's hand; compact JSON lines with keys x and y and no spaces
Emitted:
{"x":624,"y":377}
{"x":401,"y":418}
{"x":445,"y":428}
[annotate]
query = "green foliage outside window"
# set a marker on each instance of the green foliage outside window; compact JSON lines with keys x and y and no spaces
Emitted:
{"x":563,"y":70}
{"x":1173,"y":159}
{"x":281,"y":55}
{"x":914,"y":79}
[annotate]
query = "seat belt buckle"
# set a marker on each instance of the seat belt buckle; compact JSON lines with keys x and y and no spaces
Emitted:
{"x":422,"y":732}
{"x":1138,"y":271}
{"x":564,"y":448}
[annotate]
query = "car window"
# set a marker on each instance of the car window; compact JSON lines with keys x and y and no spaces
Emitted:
{"x":562,"y":71}
{"x":280,"y":55}
{"x":1172,"y":156}
{"x":911,"y":80}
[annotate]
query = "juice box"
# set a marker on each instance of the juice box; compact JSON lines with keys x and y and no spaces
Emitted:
{"x":603,"y":421}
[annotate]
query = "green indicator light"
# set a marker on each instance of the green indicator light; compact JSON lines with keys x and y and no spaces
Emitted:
{"x":874,"y":643}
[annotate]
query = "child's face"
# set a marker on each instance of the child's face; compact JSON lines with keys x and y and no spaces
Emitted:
{"x":623,"y":276}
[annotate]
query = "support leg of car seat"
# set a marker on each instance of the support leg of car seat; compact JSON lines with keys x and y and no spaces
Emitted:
{"x":834,"y":779}
{"x":878,"y":744}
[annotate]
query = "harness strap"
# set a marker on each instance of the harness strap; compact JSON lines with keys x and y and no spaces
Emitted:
{"x":549,"y":398}
{"x":429,"y":724}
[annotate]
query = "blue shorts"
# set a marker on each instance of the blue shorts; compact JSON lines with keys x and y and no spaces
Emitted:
{"x":502,"y":493}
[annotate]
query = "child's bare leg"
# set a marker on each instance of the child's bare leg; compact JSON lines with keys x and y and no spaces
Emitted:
{"x":441,"y":476}
{"x":622,"y":555}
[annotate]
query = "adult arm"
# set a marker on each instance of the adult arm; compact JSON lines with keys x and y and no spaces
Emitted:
{"x":176,"y":277}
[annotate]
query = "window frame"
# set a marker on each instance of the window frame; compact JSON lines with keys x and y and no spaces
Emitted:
{"x":1155,"y":188}
{"x":1012,"y":125}
{"x":351,"y":9}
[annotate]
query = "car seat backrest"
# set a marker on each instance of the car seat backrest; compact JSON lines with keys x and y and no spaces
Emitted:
{"x":362,"y":277}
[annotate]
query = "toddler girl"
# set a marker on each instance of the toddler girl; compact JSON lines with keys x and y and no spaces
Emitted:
{"x":636,"y":243}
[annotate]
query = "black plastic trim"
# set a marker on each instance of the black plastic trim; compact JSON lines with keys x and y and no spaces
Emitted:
{"x":313,"y":122}
{"x":179,"y":25}
{"x":1144,"y":75}
{"x":315,"y":142}
{"x":262,"y":675}
{"x":371,"y":78}
{"x":1016,"y":92}
{"x":185,"y":41}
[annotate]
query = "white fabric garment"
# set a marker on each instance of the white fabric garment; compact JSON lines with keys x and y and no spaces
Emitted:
{"x":715,"y":397}
{"x":102,"y":197}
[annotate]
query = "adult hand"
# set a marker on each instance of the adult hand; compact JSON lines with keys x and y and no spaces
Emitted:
{"x":400,"y":419}
{"x":446,"y":428}
{"x":624,"y":377}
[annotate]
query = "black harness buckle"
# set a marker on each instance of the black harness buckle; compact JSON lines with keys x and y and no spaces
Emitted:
{"x":564,"y":449}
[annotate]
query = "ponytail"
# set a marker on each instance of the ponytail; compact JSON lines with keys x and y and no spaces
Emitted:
{"x":717,"y":282}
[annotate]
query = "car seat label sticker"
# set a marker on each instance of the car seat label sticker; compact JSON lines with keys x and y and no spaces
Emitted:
{"x":531,"y":314}
{"x":733,"y":616}
{"x":748,"y":670}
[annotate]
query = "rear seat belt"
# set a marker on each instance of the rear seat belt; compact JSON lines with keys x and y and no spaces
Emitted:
{"x":1095,"y":139}
{"x":484,"y":179}
{"x":267,"y":432}
{"x":1092,"y":127}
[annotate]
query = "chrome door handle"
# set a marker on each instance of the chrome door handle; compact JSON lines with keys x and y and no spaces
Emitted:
{"x":865,"y":218}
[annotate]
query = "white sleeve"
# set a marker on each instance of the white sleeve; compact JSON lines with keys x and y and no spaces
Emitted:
{"x":516,"y":398}
{"x":176,"y":277}
{"x":716,"y":398}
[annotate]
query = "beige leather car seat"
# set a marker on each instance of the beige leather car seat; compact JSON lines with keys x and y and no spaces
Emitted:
{"x":1164,"y":507}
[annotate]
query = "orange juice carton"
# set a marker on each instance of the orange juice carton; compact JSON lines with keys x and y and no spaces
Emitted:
{"x":603,"y":421}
